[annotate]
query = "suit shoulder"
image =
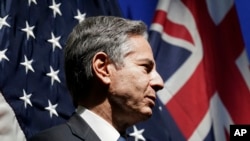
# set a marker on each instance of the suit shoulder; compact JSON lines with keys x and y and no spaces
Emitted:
{"x":60,"y":132}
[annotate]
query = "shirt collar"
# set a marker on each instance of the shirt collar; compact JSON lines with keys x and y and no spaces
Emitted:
{"x":104,"y":130}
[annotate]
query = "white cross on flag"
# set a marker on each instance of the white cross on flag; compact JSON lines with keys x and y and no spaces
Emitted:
{"x":200,"y":54}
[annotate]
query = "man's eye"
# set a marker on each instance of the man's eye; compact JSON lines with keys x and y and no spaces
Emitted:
{"x":147,"y":68}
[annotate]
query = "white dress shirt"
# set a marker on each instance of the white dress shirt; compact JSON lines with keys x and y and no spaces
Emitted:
{"x":101,"y":127}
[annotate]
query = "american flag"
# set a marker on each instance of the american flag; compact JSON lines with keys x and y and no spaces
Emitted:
{"x":33,"y":94}
{"x":200,"y":54}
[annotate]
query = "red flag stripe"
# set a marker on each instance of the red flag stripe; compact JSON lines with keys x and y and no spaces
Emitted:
{"x":190,"y":103}
{"x":170,"y":27}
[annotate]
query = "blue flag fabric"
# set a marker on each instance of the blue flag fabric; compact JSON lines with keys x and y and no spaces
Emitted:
{"x":33,"y":94}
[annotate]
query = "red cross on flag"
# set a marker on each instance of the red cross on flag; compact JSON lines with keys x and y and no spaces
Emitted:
{"x":200,"y":54}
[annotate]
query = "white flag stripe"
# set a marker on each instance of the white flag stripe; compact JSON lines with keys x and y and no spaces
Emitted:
{"x":243,"y":66}
{"x":217,"y":117}
{"x":9,"y":127}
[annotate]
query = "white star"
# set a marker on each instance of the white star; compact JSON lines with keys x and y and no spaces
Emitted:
{"x":55,"y":8}
{"x":160,"y":108}
{"x":29,"y":30}
{"x":137,"y":134}
{"x":34,"y":1}
{"x":52,"y":109}
{"x":27,"y":63}
{"x":3,"y":22}
{"x":3,"y":56}
{"x":80,"y":17}
{"x":54,"y":75}
{"x":26,"y":99}
{"x":55,"y":41}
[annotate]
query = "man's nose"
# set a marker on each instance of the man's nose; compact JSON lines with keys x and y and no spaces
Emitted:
{"x":156,"y":81}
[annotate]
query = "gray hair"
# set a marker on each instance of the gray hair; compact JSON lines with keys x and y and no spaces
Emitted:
{"x":96,"y":34}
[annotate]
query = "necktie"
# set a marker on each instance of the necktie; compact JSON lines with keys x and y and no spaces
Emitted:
{"x":121,"y":139}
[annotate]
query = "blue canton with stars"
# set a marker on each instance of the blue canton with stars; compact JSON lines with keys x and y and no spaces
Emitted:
{"x":32,"y":36}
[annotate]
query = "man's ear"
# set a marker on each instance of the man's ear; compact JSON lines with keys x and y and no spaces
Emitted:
{"x":100,"y":64}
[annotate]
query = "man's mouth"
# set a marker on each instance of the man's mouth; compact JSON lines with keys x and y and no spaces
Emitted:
{"x":151,"y":100}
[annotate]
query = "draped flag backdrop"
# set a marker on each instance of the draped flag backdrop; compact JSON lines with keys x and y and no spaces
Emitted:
{"x":33,"y":95}
{"x":200,"y":54}
{"x":198,"y":49}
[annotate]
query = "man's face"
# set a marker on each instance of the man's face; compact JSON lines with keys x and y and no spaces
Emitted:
{"x":133,"y":86}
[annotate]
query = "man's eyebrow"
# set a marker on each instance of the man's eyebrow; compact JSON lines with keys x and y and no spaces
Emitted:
{"x":149,"y":61}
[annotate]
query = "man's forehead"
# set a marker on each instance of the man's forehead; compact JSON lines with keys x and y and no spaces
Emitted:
{"x":139,"y":43}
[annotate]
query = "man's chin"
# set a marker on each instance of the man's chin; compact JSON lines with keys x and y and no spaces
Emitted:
{"x":142,"y":115}
{"x":147,"y":114}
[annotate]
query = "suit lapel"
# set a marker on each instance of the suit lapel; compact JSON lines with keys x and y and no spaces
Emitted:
{"x":81,"y":129}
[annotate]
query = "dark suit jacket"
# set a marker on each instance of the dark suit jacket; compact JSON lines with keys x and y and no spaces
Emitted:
{"x":76,"y":129}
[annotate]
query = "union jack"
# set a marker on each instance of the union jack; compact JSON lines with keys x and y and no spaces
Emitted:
{"x":200,"y":54}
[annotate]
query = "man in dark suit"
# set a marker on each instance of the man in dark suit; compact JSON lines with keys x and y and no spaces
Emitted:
{"x":111,"y":75}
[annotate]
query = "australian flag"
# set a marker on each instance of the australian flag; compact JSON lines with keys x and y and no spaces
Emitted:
{"x":199,"y":52}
